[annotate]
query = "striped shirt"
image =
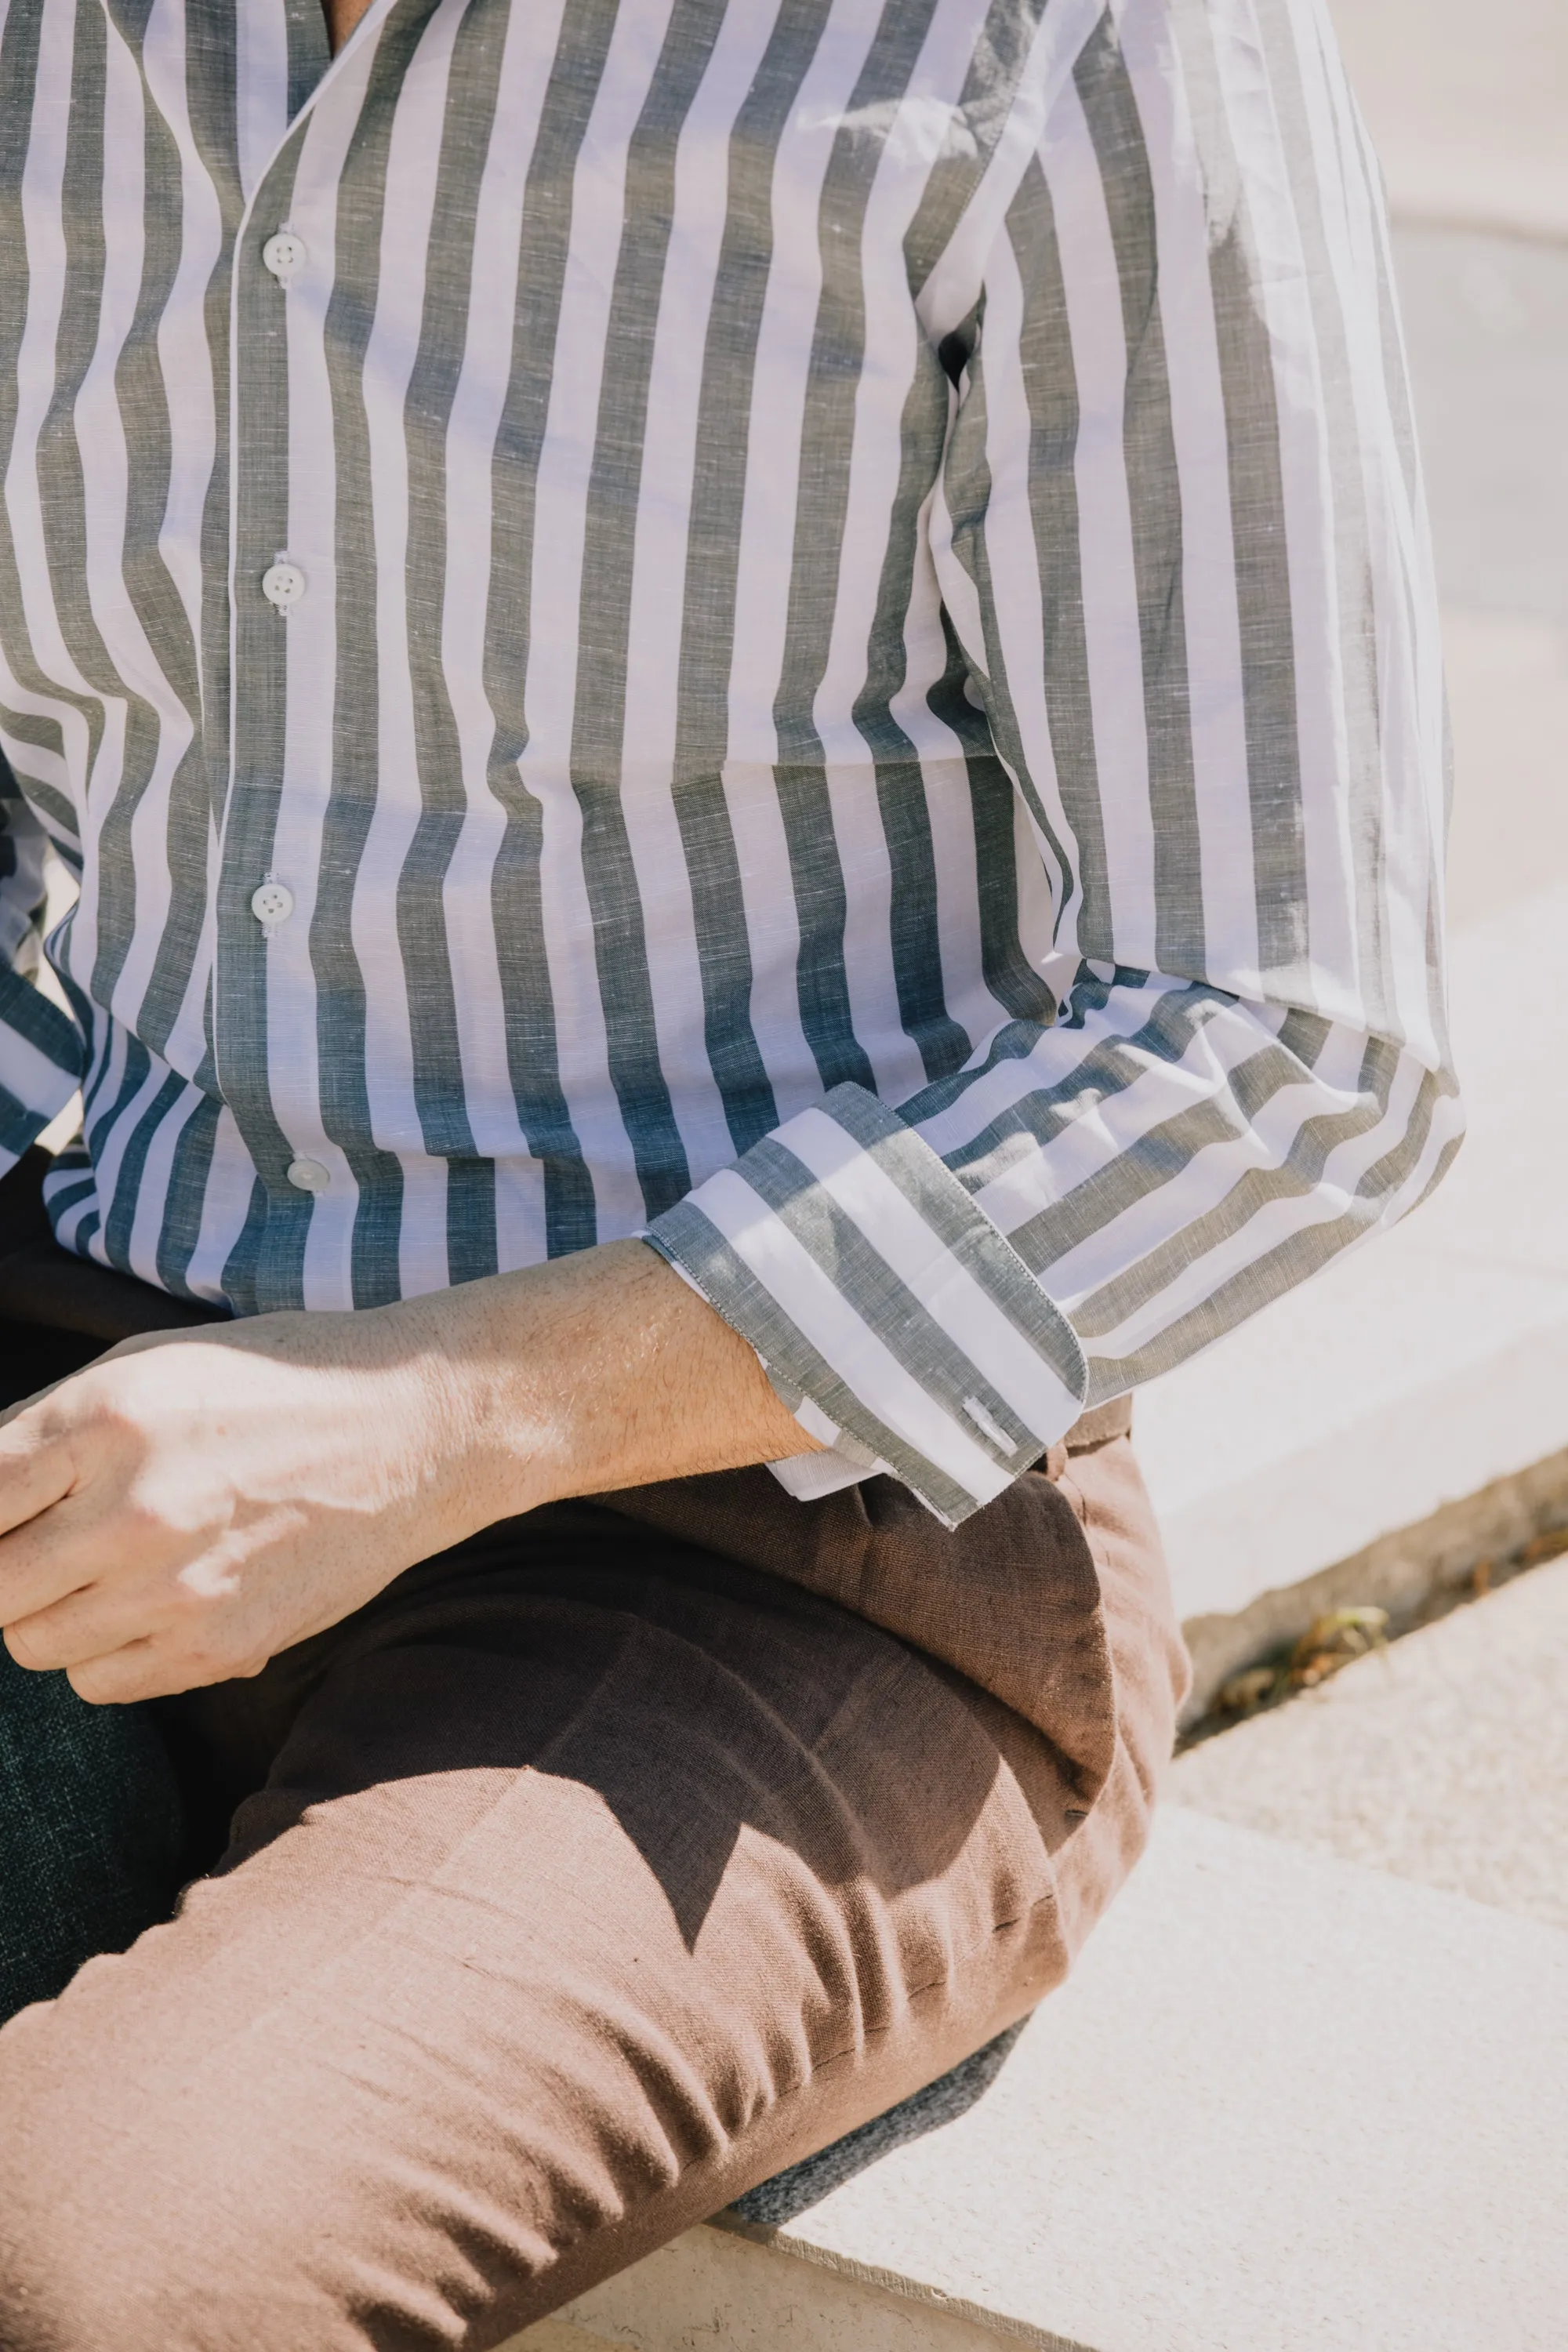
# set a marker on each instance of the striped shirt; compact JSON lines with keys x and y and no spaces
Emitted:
{"x":801,"y":625}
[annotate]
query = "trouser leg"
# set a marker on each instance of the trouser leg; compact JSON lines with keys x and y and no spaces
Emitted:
{"x":595,"y":1879}
{"x":91,"y":1833}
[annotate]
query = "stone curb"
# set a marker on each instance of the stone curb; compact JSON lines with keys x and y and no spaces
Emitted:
{"x":1403,"y":1572}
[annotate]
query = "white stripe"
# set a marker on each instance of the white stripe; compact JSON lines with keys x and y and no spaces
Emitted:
{"x":105,"y":465}
{"x":100,"y":1088}
{"x":1107,"y":570}
{"x":293,"y":1047}
{"x":913,"y":131}
{"x":1408,"y":680}
{"x":1013,"y":561}
{"x":478,"y":403}
{"x":108,"y":1045}
{"x":1050,"y":1062}
{"x":184,"y":354}
{"x":779,"y":381}
{"x":226,"y":1203}
{"x":1100,"y":1128}
{"x":261,"y":93}
{"x":413,"y":152}
{"x":1059,"y":36}
{"x":772,"y":936}
{"x":949,"y":803}
{"x":111,"y":1140}
{"x":1212,"y":621}
{"x":45,"y":767}
{"x":960,"y":936}
{"x":422,"y":1228}
{"x":44,"y":233}
{"x":1331,"y":983}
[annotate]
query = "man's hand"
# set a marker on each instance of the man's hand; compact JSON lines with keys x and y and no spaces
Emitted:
{"x":196,"y":1501}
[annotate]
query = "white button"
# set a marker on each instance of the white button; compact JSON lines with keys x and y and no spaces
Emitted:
{"x":272,"y":902}
{"x":283,"y":584}
{"x":283,"y":253}
{"x":309,"y":1175}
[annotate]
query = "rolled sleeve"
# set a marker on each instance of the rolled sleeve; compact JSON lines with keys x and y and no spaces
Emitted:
{"x":891,"y":1315}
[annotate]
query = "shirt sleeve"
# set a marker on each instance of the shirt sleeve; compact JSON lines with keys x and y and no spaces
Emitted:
{"x":40,"y":1048}
{"x":1180,"y":540}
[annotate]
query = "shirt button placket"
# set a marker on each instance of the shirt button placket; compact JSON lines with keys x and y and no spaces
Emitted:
{"x":271,"y":903}
{"x":252,"y":1008}
{"x":283,"y":584}
{"x":284,"y":254}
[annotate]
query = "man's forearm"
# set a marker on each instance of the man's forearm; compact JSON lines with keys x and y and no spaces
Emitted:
{"x":196,"y":1501}
{"x":600,"y":1371}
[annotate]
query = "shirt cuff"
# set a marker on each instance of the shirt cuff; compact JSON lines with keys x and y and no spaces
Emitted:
{"x":893,"y":1316}
{"x":809,"y":1476}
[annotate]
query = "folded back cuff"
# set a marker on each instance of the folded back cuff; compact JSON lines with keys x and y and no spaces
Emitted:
{"x":890,"y":1314}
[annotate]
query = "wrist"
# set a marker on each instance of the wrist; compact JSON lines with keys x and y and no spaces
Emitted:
{"x":503,"y":1399}
{"x":595,"y":1372}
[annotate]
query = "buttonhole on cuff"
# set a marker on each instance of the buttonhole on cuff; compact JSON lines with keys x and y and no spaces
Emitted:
{"x":993,"y":1429}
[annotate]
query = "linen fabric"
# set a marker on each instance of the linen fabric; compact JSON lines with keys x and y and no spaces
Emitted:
{"x":591,"y":1876}
{"x":810,"y":625}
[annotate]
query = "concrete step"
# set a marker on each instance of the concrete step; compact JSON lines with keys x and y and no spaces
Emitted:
{"x":1287,"y":2104}
{"x":1443,"y":1757}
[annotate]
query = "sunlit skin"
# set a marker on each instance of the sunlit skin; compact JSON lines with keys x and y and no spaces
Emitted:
{"x":341,"y":16}
{"x":195,"y":1502}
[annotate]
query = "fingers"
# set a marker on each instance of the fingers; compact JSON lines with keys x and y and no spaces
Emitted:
{"x":64,"y":1518}
{"x":109,"y":1665}
{"x":155,"y":1668}
{"x":122,"y":1607}
{"x":121,"y":1676}
{"x":87,"y":1624}
{"x":66,"y":1550}
{"x":37,"y":1466}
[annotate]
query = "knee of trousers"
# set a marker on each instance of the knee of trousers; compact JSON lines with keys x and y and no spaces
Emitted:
{"x":58,"y":2291}
{"x":129,"y":2218}
{"x":81,"y":2222}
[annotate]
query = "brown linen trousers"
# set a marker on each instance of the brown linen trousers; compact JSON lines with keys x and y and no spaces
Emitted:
{"x":602,"y":1867}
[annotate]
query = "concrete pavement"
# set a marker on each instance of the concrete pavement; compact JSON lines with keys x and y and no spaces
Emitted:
{"x":1487,"y":323}
{"x":1444,"y":1758}
{"x":1466,"y":106}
